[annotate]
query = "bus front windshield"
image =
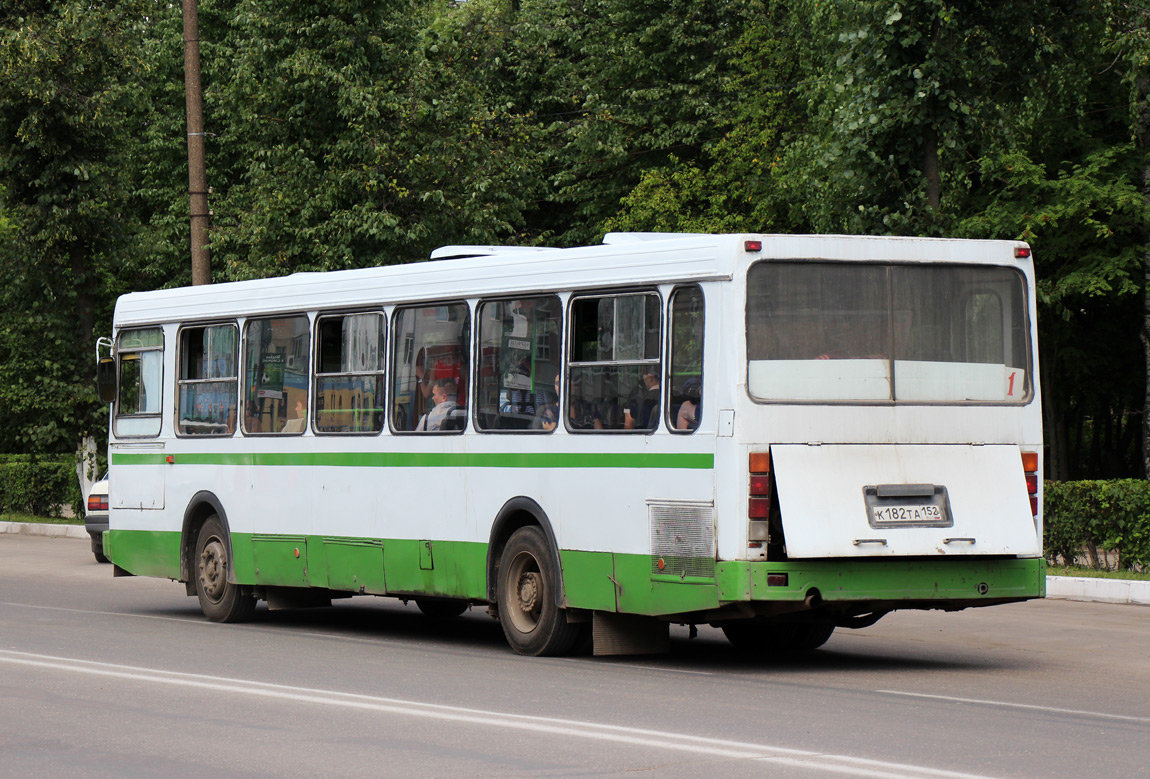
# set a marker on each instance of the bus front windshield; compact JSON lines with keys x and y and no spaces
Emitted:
{"x":924,"y":333}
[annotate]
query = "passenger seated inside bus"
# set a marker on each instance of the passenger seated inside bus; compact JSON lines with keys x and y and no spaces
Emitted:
{"x":299,"y":424}
{"x":685,"y":416}
{"x":641,"y":412}
{"x":547,"y":417}
{"x":446,"y":414}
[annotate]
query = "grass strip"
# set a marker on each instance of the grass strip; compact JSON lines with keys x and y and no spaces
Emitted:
{"x":1094,"y":573}
{"x":15,"y":516}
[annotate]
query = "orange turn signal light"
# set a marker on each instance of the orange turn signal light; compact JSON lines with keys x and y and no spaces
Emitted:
{"x":760,"y":462}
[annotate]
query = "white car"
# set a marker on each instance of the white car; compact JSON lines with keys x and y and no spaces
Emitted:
{"x":96,"y":517}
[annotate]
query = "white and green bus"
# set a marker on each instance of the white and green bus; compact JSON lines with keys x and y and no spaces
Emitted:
{"x":776,"y":435}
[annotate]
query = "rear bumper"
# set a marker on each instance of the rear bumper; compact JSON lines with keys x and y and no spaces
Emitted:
{"x":891,"y":583}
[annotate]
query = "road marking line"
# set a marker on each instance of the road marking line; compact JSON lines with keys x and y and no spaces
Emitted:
{"x":714,"y":747}
{"x":654,"y":668}
{"x":195,"y":618}
{"x":192,"y":618}
{"x":1008,"y":704}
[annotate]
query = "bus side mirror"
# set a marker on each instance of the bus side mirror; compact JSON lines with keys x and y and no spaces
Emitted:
{"x":106,"y":379}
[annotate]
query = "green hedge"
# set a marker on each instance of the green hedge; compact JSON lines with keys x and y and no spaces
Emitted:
{"x":1083,"y":518}
{"x":39,"y":485}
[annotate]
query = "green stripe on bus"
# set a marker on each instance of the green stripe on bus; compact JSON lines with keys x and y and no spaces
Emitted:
{"x":426,"y":459}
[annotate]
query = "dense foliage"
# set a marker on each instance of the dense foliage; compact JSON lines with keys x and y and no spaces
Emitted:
{"x":43,"y":486}
{"x":347,"y":133}
{"x":1084,"y":520}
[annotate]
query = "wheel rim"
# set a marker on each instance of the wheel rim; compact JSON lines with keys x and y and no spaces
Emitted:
{"x":524,"y":594}
{"x":213,"y":569}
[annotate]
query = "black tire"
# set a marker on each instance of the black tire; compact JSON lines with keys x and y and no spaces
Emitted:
{"x":762,"y":637}
{"x":441,"y":608}
{"x":220,"y":600}
{"x":525,"y":596}
{"x":811,"y":636}
{"x":98,"y":550}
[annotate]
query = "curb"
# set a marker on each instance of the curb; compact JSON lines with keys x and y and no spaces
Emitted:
{"x":1098,"y":590}
{"x":1081,"y":588}
{"x":43,"y":529}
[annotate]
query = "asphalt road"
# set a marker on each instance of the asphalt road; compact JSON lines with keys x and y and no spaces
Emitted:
{"x":123,"y":677}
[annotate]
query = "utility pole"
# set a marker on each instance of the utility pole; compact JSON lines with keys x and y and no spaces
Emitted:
{"x":197,"y":175}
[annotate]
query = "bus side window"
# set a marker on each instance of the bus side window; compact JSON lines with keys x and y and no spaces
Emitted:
{"x":141,"y":366}
{"x":613,"y":363}
{"x":276,"y":374}
{"x":207,"y":380}
{"x":349,"y":378}
{"x":430,"y":375}
{"x":519,"y":364}
{"x":685,"y":359}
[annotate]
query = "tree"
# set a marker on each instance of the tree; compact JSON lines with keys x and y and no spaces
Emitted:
{"x":726,"y":188}
{"x":477,"y":146}
{"x":581,"y":99}
{"x":65,"y":119}
{"x":307,"y":102}
{"x":1131,"y":41}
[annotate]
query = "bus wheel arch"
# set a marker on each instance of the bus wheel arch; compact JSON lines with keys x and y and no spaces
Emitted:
{"x":526,"y":594}
{"x":515,"y":514}
{"x":207,"y":555}
{"x":202,"y":505}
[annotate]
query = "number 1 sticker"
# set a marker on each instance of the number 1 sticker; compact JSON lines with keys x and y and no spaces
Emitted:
{"x":1015,"y":380}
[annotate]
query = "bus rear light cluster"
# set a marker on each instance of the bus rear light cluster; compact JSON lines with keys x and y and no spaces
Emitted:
{"x":759,"y":502}
{"x":1030,"y":468}
{"x":97,"y":503}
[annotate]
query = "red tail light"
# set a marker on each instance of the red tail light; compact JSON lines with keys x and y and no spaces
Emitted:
{"x":97,"y":503}
{"x":1030,"y":469}
{"x":759,"y":503}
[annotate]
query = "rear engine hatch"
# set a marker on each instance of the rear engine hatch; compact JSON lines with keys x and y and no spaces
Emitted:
{"x":870,"y":500}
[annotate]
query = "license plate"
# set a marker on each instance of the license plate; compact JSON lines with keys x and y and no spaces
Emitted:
{"x":907,"y":514}
{"x":907,"y":505}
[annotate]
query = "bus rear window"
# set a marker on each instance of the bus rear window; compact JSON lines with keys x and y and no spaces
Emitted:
{"x":826,"y":331}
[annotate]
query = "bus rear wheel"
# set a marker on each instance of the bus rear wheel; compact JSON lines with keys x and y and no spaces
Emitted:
{"x":758,"y":636}
{"x":441,"y":608}
{"x":525,"y":595}
{"x":220,"y":600}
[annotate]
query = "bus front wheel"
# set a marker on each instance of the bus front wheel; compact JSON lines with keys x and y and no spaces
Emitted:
{"x":220,"y":600}
{"x":525,"y":595}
